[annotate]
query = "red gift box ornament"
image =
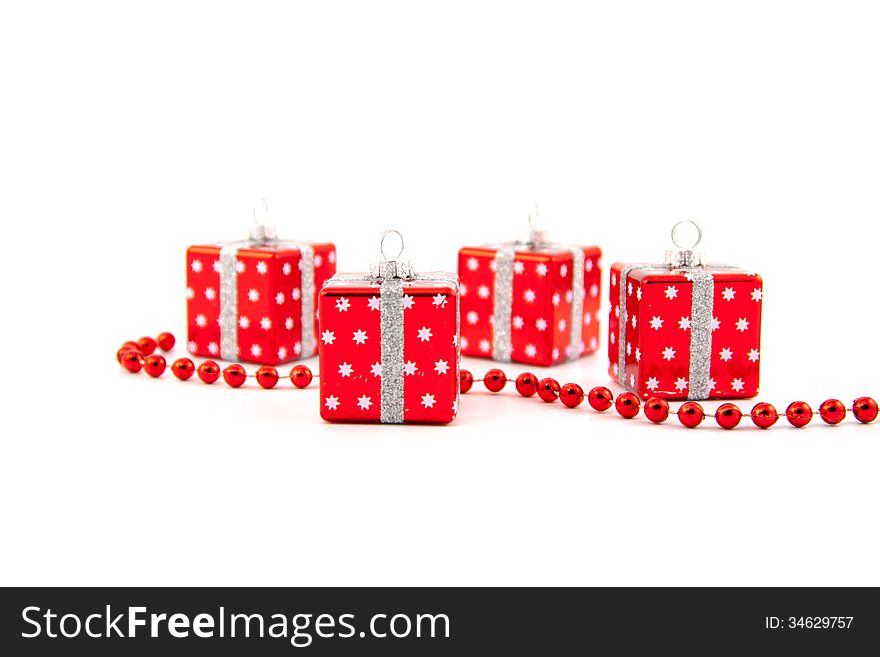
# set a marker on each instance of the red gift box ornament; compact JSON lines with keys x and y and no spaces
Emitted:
{"x":684,"y":328}
{"x":388,"y":345}
{"x":254,"y":299}
{"x":530,"y":301}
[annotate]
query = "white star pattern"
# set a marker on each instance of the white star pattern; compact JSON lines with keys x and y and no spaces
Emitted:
{"x":588,"y":319}
{"x":737,"y":385}
{"x":531,"y":350}
{"x":716,"y":324}
{"x":343,"y":304}
{"x":288,"y":323}
{"x":253,"y":295}
{"x":359,"y":336}
{"x":319,"y":260}
{"x":244,"y":322}
{"x":681,"y":384}
{"x":529,"y":296}
{"x":408,"y":302}
{"x":409,"y":368}
{"x":638,"y":355}
{"x":424,"y":334}
{"x":256,"y":350}
{"x":374,"y":303}
{"x":279,"y":298}
{"x":588,"y":265}
{"x":728,"y":294}
{"x":441,"y":367}
{"x":297,"y":348}
{"x":613,"y":280}
{"x":684,"y":323}
{"x":555,"y":353}
{"x":364,"y":403}
{"x":754,"y":355}
{"x":639,"y":294}
{"x":635,"y":322}
{"x":282,"y":353}
{"x":555,"y":298}
{"x":518,"y":267}
{"x":261,"y":267}
{"x":563,"y":270}
{"x":266,"y":323}
{"x":428,"y":401}
{"x":473,"y":264}
{"x":331,"y":257}
{"x":742,"y":325}
{"x":190,"y":293}
{"x":286,"y":269}
{"x":376,"y":369}
{"x":629,"y":289}
{"x":541,"y":324}
{"x":656,"y":323}
{"x":483,"y":292}
{"x":295,"y":294}
{"x":464,"y":343}
{"x":594,"y":290}
{"x":191,"y":346}
{"x":196,"y":266}
{"x":629,"y":349}
{"x":201,"y":320}
{"x":757,"y":294}
{"x":518,"y":322}
{"x":210,"y":293}
{"x":569,"y":296}
{"x":671,"y":292}
{"x":652,"y":384}
{"x":213,"y":348}
{"x":541,"y":269}
{"x":439,"y":300}
{"x":327,"y":337}
{"x":726,"y":354}
{"x":562,"y":325}
{"x":345,"y":369}
{"x":239,"y":266}
{"x":473,"y":317}
{"x":332,"y":402}
{"x":668,"y":353}
{"x":485,"y":346}
{"x":216,"y":266}
{"x":632,"y":380}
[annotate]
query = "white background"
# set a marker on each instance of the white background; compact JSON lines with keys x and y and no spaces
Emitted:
{"x":131,"y":130}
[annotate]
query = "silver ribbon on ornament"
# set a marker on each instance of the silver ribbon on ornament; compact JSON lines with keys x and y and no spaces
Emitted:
{"x":390,"y":274}
{"x":262,"y":235}
{"x":702,"y":311}
{"x":502,"y":329}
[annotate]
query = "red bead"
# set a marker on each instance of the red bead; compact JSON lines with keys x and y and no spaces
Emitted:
{"x":527,"y":384}
{"x":600,"y":399}
{"x":147,"y":345}
{"x":154,"y":365}
{"x":691,"y":414}
{"x":301,"y":376}
{"x":495,"y":380}
{"x":465,"y":381}
{"x":119,"y":354}
{"x":133,"y":361}
{"x":183,"y":368}
{"x":131,"y":344}
{"x":728,"y":416}
{"x":832,"y":411}
{"x":799,"y":413}
{"x":209,"y":371}
{"x":234,"y":375}
{"x":657,"y":410}
{"x":548,"y":389}
{"x":267,"y":376}
{"x":764,"y":415}
{"x":627,"y":405}
{"x":165,"y":341}
{"x":865,"y":409}
{"x":572,"y":395}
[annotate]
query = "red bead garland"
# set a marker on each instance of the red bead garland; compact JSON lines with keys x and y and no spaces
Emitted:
{"x":495,"y":380}
{"x":136,"y":356}
{"x":832,"y":411}
{"x":627,"y":405}
{"x":572,"y":395}
{"x":799,"y":414}
{"x":728,"y":416}
{"x":526,"y":384}
{"x":865,"y":409}
{"x":657,"y":410}
{"x":764,"y":415}
{"x":548,"y":390}
{"x":691,"y":414}
{"x":600,"y":399}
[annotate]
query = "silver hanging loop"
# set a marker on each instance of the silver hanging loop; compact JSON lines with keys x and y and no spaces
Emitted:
{"x":683,"y":257}
{"x":391,"y":267}
{"x":537,"y":237}
{"x":261,"y":231}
